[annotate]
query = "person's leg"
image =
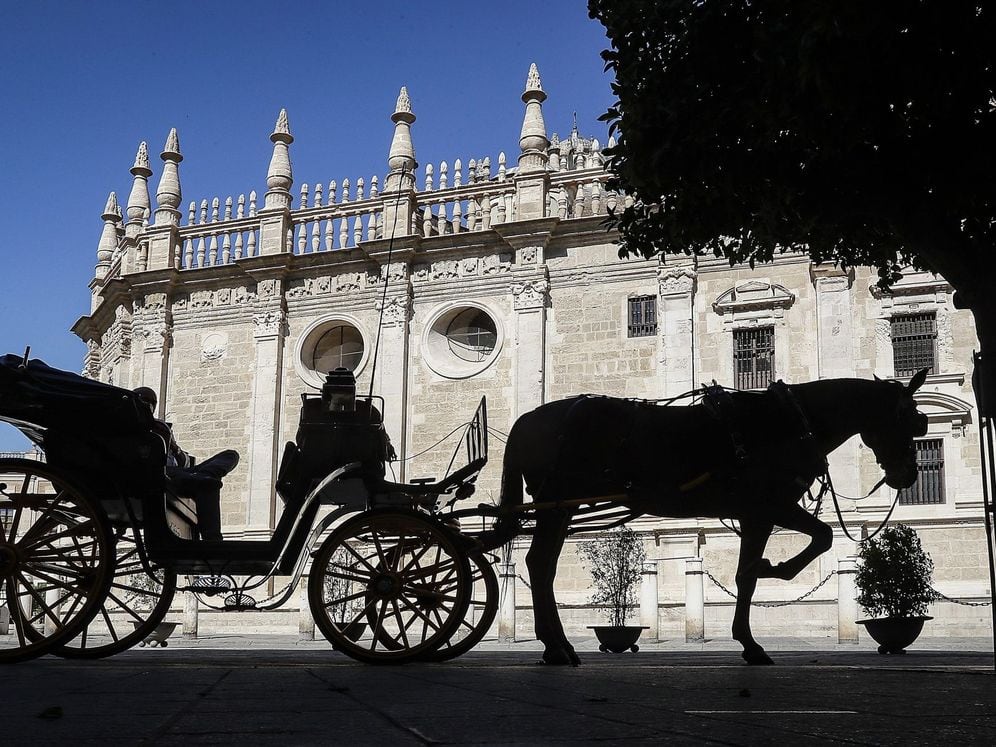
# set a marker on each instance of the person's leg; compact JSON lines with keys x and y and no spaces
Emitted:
{"x":208,"y":502}
{"x":219,"y":465}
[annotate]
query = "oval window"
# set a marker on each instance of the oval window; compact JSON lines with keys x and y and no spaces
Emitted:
{"x":341,"y":346}
{"x":472,"y":335}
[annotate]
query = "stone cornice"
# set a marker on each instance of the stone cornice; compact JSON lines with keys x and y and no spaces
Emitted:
{"x":534,"y":232}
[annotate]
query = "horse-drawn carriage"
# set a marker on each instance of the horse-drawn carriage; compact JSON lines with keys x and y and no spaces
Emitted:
{"x":95,"y":537}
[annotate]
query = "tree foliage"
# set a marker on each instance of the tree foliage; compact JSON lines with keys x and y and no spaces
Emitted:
{"x":894,"y":576}
{"x":862,"y":133}
{"x":615,"y":562}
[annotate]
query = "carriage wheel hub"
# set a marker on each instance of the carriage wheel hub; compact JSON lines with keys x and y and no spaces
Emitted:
{"x":8,"y":559}
{"x":386,"y":585}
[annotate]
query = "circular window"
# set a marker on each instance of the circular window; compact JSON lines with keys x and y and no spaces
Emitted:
{"x":340,"y":346}
{"x":327,"y":344}
{"x":461,"y":340}
{"x":472,"y":335}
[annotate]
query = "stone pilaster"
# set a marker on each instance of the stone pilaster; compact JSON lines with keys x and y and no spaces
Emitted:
{"x":529,"y":299}
{"x":152,"y":331}
{"x":391,"y":376}
{"x":835,"y":351}
{"x":675,"y":317}
{"x":269,"y":321}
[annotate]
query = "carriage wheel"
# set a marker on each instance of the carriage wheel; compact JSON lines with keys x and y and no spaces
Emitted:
{"x":55,"y":558}
{"x":388,"y":586}
{"x":480,"y":614}
{"x":135,"y":604}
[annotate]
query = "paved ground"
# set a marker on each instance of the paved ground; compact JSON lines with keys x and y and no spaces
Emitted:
{"x":274,"y":690}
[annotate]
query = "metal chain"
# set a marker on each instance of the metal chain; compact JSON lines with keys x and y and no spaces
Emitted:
{"x":773,"y":604}
{"x":946,"y":598}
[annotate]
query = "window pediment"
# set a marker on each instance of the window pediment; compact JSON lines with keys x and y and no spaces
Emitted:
{"x":754,"y":295}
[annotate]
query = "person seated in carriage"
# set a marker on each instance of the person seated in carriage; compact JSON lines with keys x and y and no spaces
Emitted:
{"x":200,"y":481}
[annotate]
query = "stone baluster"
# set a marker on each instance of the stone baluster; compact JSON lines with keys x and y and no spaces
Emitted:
{"x":457,"y":173}
{"x":242,"y":207}
{"x":428,"y":177}
{"x":359,"y":189}
{"x":441,"y":217}
{"x":578,"y":200}
{"x":472,"y":171}
{"x":226,"y":247}
{"x":596,"y":197}
{"x":472,"y":208}
{"x":251,"y":246}
{"x":204,"y":212}
{"x":316,"y":235}
{"x":213,"y":250}
{"x":239,"y":245}
{"x":188,"y":253}
{"x":215,"y":207}
{"x":332,"y":189}
{"x":329,"y":235}
{"x":201,"y":252}
{"x":192,"y":213}
{"x":318,"y":194}
{"x":304,"y":197}
{"x":357,"y":230}
{"x":343,"y":232}
{"x":427,"y":221}
{"x":345,"y":191}
{"x":371,"y":226}
{"x":302,"y":237}
{"x":228,"y":208}
{"x":443,"y":175}
{"x":457,"y":216}
{"x":374,"y":187}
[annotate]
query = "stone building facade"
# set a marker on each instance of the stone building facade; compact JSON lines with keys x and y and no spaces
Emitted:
{"x":501,"y":280}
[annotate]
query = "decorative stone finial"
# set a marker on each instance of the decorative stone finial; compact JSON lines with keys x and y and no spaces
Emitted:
{"x":168,"y":194}
{"x":279,"y":176}
{"x":533,"y":82}
{"x":108,"y":236}
{"x":401,"y":158}
{"x":533,"y":142}
{"x":138,"y":200}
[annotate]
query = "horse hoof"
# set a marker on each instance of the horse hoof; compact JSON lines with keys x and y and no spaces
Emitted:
{"x":758,"y":657}
{"x":558,"y":657}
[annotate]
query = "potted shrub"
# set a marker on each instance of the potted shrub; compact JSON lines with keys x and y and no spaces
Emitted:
{"x":893,"y":581}
{"x":616,"y":562}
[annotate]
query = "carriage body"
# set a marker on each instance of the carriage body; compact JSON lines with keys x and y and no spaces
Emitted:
{"x":101,"y":449}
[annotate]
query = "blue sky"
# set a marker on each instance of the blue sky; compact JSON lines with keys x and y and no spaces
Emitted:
{"x":84,"y":82}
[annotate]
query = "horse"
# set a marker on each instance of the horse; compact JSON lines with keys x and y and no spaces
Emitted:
{"x":748,"y":456}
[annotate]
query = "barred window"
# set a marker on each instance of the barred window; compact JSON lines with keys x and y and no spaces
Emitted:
{"x":929,"y":485}
{"x":642,"y":316}
{"x":914,"y":343}
{"x":754,"y":357}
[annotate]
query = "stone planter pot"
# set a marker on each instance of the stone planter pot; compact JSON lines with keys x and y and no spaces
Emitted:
{"x":618,"y":638}
{"x":894,"y":634}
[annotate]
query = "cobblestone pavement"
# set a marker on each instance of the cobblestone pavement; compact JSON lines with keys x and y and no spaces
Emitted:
{"x":273,"y":690}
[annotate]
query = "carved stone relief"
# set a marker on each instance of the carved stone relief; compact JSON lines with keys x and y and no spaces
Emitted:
{"x":530,"y":294}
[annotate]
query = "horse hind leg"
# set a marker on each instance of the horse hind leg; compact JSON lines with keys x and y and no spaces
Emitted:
{"x":753,"y":539}
{"x":544,"y":552}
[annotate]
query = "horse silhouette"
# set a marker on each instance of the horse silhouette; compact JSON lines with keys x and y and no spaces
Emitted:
{"x":748,"y":456}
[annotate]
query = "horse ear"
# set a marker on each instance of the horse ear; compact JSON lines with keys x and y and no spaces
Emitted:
{"x":917,"y":381}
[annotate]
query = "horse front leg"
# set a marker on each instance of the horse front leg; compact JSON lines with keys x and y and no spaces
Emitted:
{"x":541,"y":560}
{"x":798,"y":519}
{"x":753,"y":539}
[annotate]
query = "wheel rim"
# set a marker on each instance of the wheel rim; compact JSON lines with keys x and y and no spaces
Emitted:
{"x":54,"y":558}
{"x":134,"y":605}
{"x":482,"y":608}
{"x":397,"y":572}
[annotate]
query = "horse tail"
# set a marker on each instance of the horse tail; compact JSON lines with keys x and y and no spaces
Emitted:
{"x":507,"y":524}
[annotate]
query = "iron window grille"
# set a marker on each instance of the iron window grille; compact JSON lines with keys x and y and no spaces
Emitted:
{"x":914,"y":343}
{"x":929,"y":485}
{"x":754,"y":357}
{"x":642,"y":316}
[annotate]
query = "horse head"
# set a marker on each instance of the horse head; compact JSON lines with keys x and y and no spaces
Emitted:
{"x":892,"y":430}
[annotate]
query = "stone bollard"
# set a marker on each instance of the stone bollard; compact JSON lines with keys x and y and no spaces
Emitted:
{"x":649,"y":612}
{"x":847,"y":605}
{"x":190,"y":606}
{"x":506,"y":609}
{"x":52,"y":602}
{"x":305,"y":621}
{"x":694,"y":601}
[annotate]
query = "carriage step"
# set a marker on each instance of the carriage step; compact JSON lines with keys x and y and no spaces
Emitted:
{"x":210,"y":585}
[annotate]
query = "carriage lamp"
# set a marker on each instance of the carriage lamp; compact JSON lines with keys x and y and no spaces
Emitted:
{"x":339,"y":391}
